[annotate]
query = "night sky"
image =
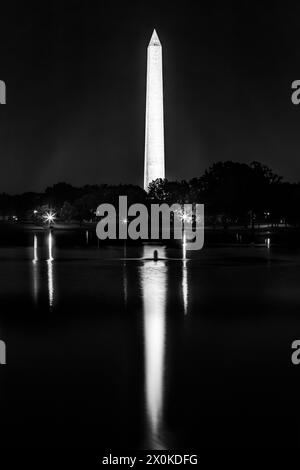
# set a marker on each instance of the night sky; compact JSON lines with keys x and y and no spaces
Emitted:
{"x":76,"y":74}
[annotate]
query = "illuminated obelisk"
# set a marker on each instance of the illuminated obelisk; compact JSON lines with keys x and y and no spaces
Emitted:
{"x":154,"y":133}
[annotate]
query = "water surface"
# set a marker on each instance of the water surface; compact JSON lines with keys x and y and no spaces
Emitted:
{"x":131,"y":353}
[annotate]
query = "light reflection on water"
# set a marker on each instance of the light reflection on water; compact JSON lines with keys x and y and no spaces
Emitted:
{"x":153,"y":277}
{"x":154,"y":287}
{"x":35,"y":245}
{"x":35,"y":272}
{"x":50,"y":246}
{"x":148,"y":251}
{"x":229,"y":320}
{"x":184,"y":246}
{"x":50,"y":270}
{"x":184,"y":286}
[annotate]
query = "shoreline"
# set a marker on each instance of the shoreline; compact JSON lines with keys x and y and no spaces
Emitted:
{"x":92,"y":225}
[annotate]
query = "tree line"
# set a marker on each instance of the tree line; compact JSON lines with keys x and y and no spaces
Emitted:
{"x":232,"y":192}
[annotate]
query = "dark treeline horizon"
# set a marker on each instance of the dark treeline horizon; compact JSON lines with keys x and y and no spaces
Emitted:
{"x":93,"y":185}
{"x":233,"y":190}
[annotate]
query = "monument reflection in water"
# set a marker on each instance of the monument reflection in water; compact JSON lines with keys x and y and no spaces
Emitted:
{"x":154,"y":290}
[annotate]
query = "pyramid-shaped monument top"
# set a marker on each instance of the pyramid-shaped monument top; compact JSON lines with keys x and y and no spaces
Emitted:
{"x":154,"y":41}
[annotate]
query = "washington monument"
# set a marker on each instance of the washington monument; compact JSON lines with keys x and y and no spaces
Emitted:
{"x":154,"y":166}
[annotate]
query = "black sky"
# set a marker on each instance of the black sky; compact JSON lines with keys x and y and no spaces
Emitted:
{"x":76,"y":73}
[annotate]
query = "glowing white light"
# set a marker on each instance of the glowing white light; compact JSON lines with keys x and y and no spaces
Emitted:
{"x":268,"y":242}
{"x":49,"y":217}
{"x":154,"y":290}
{"x":185,"y":215}
{"x":154,"y":131}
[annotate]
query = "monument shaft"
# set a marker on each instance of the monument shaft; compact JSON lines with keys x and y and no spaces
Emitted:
{"x":154,"y":166}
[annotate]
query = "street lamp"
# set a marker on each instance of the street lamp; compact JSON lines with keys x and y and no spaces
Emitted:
{"x":49,"y":217}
